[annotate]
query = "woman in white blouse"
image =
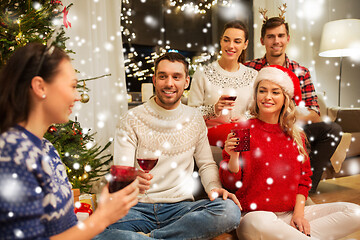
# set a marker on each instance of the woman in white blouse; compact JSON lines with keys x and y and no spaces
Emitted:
{"x":213,"y":85}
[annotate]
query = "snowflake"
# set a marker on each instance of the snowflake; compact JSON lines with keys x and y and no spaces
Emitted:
{"x":87,"y":168}
{"x":223,"y":165}
{"x":76,"y":166}
{"x":38,"y":190}
{"x":77,"y":204}
{"x":253,"y":206}
{"x":173,"y":165}
{"x":215,"y":195}
{"x":108,"y":177}
{"x":10,"y":189}
{"x":151,"y":21}
{"x":257,"y":153}
{"x":238,"y":184}
{"x":81,"y":225}
{"x":18,"y":233}
{"x":166,"y":145}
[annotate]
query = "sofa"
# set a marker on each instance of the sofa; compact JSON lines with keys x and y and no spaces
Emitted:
{"x":349,"y":148}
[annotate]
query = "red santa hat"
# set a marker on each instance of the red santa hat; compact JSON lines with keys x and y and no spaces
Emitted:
{"x":283,"y":77}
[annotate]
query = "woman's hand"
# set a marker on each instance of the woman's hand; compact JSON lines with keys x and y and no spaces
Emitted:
{"x":298,"y":221}
{"x":113,"y":206}
{"x":223,"y":104}
{"x":301,"y":224}
{"x":230,"y":144}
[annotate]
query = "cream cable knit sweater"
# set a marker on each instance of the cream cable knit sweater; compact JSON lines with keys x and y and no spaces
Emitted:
{"x":181,"y":136}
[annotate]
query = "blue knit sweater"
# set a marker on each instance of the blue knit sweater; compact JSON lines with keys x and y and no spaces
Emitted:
{"x":35,"y":195}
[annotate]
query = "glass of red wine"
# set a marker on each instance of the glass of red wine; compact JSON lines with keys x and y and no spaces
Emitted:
{"x":121,"y":176}
{"x":244,"y":139}
{"x":230,"y":98}
{"x":147,"y":160}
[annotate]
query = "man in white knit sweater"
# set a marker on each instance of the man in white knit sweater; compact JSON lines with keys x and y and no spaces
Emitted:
{"x":178,"y":132}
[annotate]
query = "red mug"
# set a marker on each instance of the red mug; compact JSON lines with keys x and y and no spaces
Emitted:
{"x":244,"y":139}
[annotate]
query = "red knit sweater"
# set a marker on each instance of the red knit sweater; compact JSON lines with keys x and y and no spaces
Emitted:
{"x":270,"y":174}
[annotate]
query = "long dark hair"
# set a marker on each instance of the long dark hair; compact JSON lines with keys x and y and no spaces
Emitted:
{"x":238,"y":25}
{"x":15,"y":80}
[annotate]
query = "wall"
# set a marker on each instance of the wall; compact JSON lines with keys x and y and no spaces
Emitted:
{"x":184,"y":31}
{"x":327,"y":69}
{"x":306,"y":19}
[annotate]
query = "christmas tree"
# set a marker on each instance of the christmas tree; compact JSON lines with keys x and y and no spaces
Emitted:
{"x":83,"y":159}
{"x":25,"y":21}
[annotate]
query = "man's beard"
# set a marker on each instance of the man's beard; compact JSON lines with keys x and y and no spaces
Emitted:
{"x":167,"y":103}
{"x":276,"y":55}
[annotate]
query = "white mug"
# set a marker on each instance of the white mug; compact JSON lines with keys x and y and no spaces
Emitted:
{"x":146,"y":91}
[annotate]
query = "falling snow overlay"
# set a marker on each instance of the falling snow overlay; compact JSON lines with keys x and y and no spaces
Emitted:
{"x":35,"y":197}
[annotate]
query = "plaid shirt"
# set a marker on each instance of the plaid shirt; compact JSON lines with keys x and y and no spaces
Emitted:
{"x":307,"y":88}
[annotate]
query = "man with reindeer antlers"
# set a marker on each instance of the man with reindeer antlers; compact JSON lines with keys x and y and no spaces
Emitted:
{"x":324,"y":138}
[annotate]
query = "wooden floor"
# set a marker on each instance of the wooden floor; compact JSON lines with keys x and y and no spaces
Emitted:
{"x":344,"y":189}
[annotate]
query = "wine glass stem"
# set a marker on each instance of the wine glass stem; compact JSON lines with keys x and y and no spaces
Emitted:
{"x":147,"y":171}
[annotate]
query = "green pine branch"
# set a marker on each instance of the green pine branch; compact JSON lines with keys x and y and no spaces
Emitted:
{"x":71,"y":144}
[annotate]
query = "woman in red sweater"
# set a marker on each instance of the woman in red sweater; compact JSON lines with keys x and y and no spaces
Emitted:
{"x":272,"y":179}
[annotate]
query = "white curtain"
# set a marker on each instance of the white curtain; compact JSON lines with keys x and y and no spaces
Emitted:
{"x":96,"y":38}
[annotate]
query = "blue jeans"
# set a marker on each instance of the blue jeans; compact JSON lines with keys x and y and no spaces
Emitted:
{"x":202,"y":219}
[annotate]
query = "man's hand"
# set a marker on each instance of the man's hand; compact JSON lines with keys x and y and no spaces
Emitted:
{"x":144,"y":181}
{"x":306,"y":115}
{"x":216,"y":192}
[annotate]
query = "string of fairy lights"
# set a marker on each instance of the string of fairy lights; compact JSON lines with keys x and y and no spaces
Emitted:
{"x":200,"y":6}
{"x":140,"y":66}
{"x":126,"y":22}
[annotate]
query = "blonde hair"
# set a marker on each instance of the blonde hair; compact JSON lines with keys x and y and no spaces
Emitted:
{"x":286,"y":120}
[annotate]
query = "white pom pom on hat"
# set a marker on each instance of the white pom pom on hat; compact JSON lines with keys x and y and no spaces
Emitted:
{"x":283,"y":77}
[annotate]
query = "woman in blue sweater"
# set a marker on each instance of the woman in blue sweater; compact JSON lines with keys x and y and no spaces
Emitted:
{"x":38,"y":88}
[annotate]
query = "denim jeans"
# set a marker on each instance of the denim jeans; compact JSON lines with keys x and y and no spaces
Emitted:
{"x":202,"y":219}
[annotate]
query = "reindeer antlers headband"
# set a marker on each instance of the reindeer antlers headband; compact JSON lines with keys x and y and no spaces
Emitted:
{"x":281,"y":15}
